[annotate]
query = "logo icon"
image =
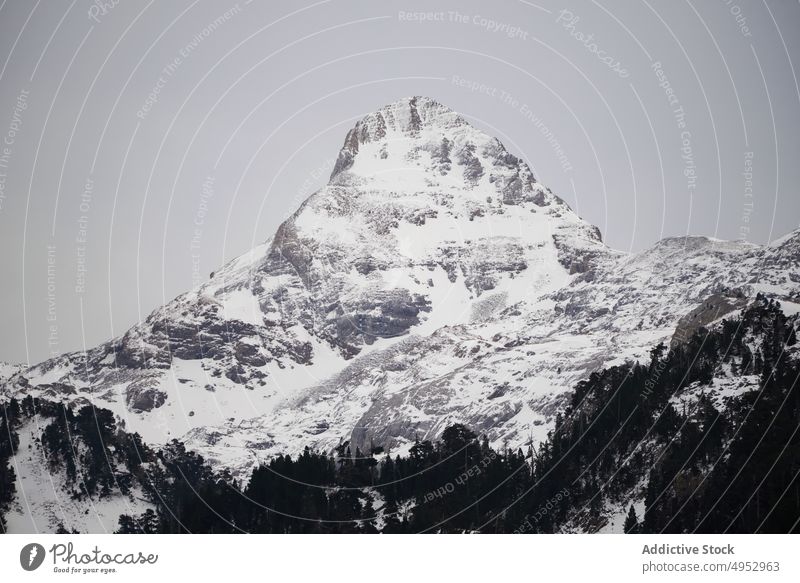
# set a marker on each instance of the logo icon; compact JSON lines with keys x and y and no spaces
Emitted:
{"x":31,"y":556}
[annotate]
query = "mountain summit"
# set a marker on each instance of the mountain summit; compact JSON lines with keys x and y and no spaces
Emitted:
{"x":433,"y":280}
{"x":413,"y":140}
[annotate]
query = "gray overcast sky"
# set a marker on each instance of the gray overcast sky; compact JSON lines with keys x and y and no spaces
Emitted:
{"x":126,"y":126}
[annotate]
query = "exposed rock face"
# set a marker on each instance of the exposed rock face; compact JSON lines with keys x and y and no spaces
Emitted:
{"x":433,"y":280}
{"x":140,"y":399}
{"x":711,"y":309}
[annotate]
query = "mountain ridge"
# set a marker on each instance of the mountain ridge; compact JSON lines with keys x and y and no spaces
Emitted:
{"x":432,"y":280}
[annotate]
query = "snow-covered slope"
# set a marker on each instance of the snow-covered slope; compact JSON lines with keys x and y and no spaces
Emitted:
{"x":8,"y":370}
{"x":44,"y":502}
{"x":433,"y":280}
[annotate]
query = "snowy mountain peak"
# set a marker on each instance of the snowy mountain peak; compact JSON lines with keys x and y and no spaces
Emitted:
{"x":432,"y":280}
{"x":417,"y":142}
{"x":408,"y":116}
{"x":404,"y":118}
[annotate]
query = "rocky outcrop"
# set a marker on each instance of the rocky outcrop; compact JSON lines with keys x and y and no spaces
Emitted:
{"x":711,"y":309}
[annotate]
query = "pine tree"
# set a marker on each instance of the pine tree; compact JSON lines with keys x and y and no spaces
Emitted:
{"x":631,"y":522}
{"x":391,"y":518}
{"x":368,"y":517}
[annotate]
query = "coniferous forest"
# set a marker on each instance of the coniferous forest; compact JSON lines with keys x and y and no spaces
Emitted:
{"x":664,"y":433}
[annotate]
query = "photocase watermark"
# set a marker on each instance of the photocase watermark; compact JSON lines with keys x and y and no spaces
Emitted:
{"x":206,"y":194}
{"x":82,"y":236}
{"x":548,"y":135}
{"x":453,"y":16}
{"x":523,"y":109}
{"x":52,"y":314}
{"x":31,"y":556}
{"x":569,"y":21}
{"x":462,"y":478}
{"x":171,"y":68}
{"x":747,"y":207}
{"x":66,"y":560}
{"x":101,"y":8}
{"x":678,"y":113}
{"x":312,"y":181}
{"x":313,"y":178}
{"x":541,"y":512}
{"x":739,"y":17}
{"x":477,"y":87}
{"x":654,"y":376}
{"x":7,"y":151}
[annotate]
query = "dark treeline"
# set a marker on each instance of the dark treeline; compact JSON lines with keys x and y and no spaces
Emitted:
{"x":8,"y":445}
{"x":705,"y":469}
{"x":629,"y":432}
